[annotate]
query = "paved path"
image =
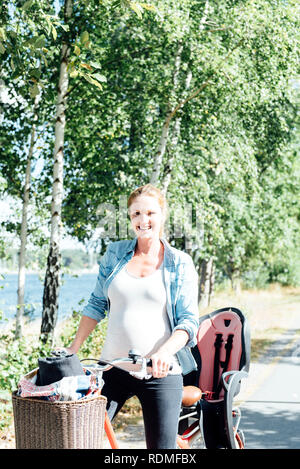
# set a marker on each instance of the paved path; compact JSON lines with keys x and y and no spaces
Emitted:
{"x":271,"y":399}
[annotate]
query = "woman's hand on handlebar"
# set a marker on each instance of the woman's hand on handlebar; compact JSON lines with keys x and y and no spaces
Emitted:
{"x":161,"y":362}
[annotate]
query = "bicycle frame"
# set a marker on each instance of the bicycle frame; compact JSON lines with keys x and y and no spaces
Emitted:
{"x":108,"y":428}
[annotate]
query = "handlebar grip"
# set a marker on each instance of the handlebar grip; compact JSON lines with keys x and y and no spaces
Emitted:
{"x":149,"y":363}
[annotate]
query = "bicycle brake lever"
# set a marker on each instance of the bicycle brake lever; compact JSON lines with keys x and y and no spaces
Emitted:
{"x":142,"y":374}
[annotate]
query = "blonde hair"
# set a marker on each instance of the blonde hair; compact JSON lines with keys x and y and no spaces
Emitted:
{"x":150,"y":191}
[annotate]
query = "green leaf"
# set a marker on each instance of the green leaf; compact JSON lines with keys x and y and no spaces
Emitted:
{"x":2,"y":49}
{"x":137,"y":8}
{"x":40,"y":42}
{"x":84,"y":37}
{"x":74,"y":73}
{"x":100,"y":77}
{"x":146,"y":6}
{"x":54,"y":33}
{"x":34,"y":90}
{"x":27,"y":5}
{"x":95,"y":65}
{"x":76,"y":50}
{"x":65,"y":27}
{"x":92,"y":81}
{"x":35,"y":72}
{"x":2,"y":34}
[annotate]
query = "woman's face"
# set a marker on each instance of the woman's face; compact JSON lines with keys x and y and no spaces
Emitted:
{"x":146,"y":217}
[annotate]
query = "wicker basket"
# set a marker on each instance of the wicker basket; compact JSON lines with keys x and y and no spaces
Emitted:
{"x":43,"y":424}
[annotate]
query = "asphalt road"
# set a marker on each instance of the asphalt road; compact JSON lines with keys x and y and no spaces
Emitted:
{"x":271,"y":399}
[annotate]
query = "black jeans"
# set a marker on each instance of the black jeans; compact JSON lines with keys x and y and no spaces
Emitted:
{"x":160,"y":399}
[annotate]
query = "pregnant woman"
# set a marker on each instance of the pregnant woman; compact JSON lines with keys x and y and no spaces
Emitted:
{"x":149,"y":290}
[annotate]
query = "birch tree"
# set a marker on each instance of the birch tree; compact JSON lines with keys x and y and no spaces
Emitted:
{"x":23,"y":30}
{"x":177,"y":101}
{"x":52,"y":277}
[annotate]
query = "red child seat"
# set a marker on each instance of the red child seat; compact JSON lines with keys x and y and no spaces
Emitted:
{"x":222,"y":355}
{"x":219,"y":341}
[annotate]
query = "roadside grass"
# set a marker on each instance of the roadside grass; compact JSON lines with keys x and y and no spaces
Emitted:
{"x":270,"y":312}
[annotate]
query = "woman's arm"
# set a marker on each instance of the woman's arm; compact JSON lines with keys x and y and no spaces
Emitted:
{"x":86,"y":326}
{"x":186,"y":321}
{"x":161,"y":359}
{"x":186,"y":306}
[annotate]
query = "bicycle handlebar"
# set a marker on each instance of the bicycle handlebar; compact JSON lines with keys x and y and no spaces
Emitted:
{"x":133,"y":358}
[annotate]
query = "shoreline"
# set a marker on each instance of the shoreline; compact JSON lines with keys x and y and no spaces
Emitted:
{"x":92,"y":270}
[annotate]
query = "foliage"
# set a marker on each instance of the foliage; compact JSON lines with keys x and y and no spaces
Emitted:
{"x":233,"y":151}
{"x":229,"y":68}
{"x":18,"y":357}
{"x":91,"y":348}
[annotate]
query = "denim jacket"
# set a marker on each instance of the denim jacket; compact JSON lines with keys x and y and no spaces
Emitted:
{"x":181,"y":282}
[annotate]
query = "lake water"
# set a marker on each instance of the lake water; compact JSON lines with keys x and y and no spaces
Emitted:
{"x":72,"y":291}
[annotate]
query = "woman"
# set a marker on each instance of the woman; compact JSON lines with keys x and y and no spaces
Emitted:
{"x":150,"y":291}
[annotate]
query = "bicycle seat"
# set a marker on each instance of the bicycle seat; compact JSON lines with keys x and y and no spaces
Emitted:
{"x":191,"y":395}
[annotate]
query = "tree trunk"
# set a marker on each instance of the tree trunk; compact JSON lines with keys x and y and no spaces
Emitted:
{"x":161,"y":148}
{"x":158,"y":157}
{"x":236,"y":282}
{"x":176,"y":132}
{"x":22,"y":256}
{"x":205,"y":282}
{"x":51,"y":293}
{"x":52,"y":277}
{"x":173,"y":145}
{"x":211,"y":282}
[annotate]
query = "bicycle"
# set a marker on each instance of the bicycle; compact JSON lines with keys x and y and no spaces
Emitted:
{"x":191,"y":438}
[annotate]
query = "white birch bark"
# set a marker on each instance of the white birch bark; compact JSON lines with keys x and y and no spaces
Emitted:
{"x":158,"y":157}
{"x":161,"y":148}
{"x":174,"y":141}
{"x":52,"y":277}
{"x":24,"y":224}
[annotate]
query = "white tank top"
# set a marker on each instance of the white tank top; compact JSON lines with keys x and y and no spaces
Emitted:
{"x":138,"y":317}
